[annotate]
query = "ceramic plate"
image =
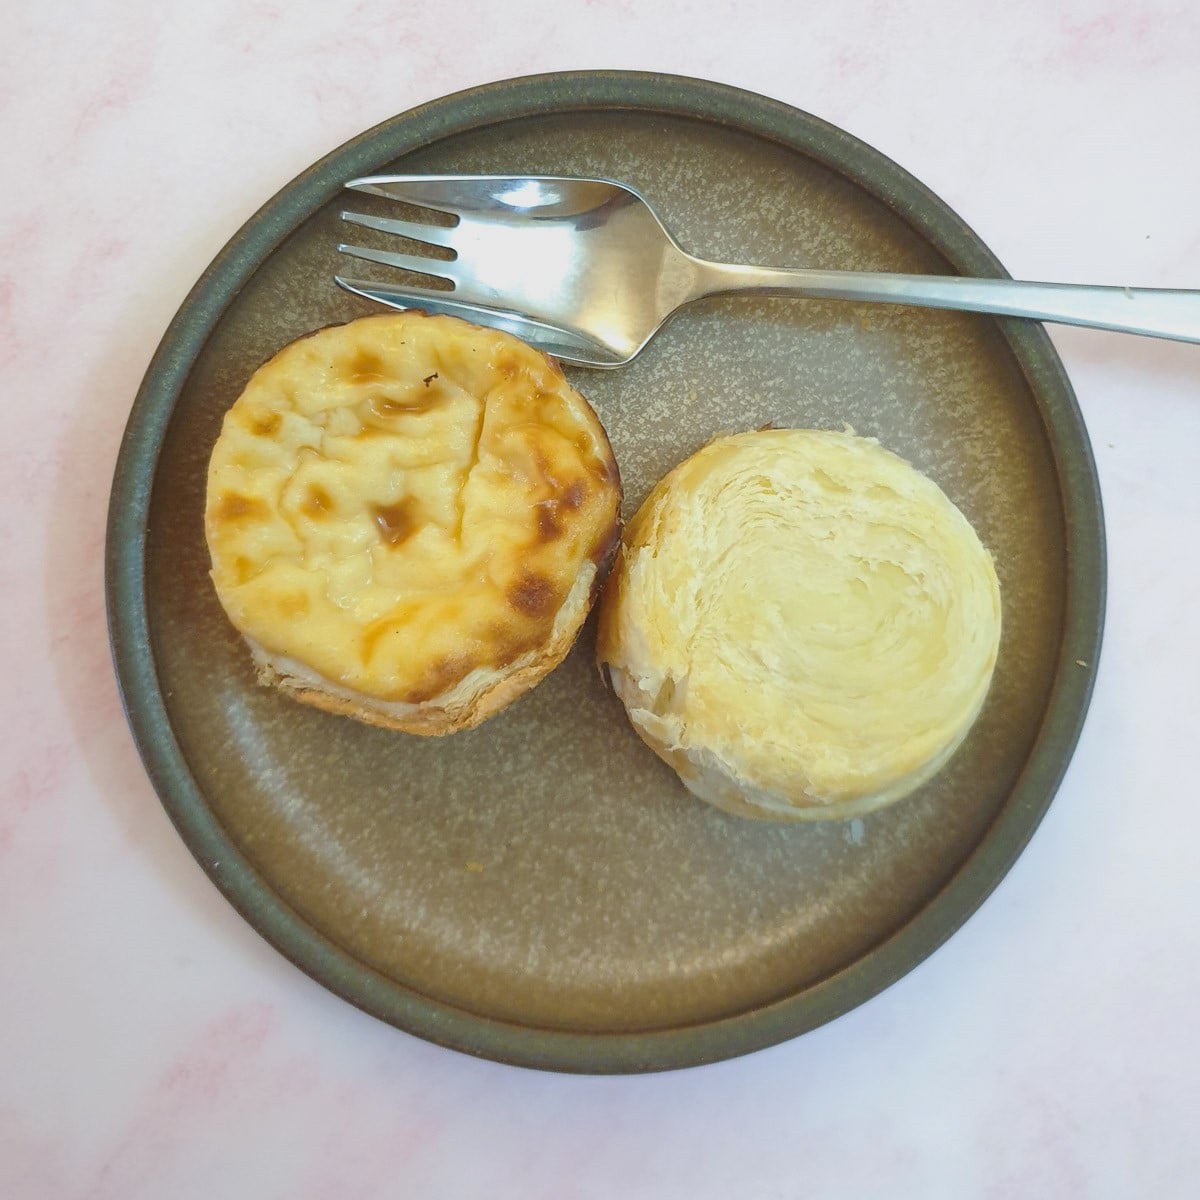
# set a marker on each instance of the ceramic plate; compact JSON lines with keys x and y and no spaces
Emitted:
{"x":542,"y":890}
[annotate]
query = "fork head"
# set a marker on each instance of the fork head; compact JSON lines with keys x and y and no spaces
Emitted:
{"x":581,"y":268}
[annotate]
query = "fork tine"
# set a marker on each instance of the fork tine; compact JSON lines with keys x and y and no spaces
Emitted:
{"x":564,"y":344}
{"x":423,"y":191}
{"x":436,"y":267}
{"x":384,"y":293}
{"x":434,"y":235}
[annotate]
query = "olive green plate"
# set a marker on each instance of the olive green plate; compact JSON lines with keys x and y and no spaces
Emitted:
{"x":542,"y":890}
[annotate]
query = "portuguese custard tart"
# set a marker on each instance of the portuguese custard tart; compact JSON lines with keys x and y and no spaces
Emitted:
{"x":408,"y":518}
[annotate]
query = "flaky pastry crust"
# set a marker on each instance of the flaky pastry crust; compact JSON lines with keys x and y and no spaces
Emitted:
{"x":801,"y":624}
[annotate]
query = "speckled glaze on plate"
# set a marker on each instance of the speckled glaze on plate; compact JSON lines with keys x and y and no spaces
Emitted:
{"x":542,"y":890}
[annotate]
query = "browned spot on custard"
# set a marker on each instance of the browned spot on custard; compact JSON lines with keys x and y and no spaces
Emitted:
{"x":234,"y":507}
{"x":507,"y":366}
{"x":397,"y":522}
{"x":365,"y":367}
{"x":532,"y":595}
{"x":440,"y":677}
{"x":243,"y":569}
{"x":572,"y":497}
{"x":566,"y":498}
{"x":294,"y":605}
{"x":509,"y":644}
{"x":548,"y":527}
{"x":317,"y":501}
{"x":265,"y":424}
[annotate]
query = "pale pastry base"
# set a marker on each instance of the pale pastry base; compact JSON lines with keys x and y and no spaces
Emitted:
{"x":707,"y":778}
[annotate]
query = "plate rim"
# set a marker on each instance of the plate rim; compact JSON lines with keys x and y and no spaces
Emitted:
{"x":338,"y":970}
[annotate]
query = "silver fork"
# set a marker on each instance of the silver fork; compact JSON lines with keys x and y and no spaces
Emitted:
{"x":584,"y":270}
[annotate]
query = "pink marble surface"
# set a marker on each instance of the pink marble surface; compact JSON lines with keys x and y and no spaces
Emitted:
{"x":152,"y":1045}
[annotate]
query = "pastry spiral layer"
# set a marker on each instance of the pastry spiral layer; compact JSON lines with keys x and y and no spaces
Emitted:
{"x":801,"y":624}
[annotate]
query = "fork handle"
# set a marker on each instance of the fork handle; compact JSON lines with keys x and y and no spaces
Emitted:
{"x":1155,"y":312}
